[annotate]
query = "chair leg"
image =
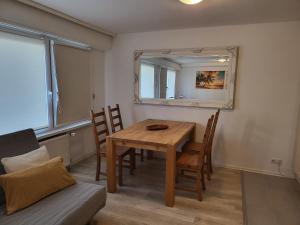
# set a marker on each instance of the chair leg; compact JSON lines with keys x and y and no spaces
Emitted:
{"x":132,"y":160}
{"x":203,"y":179}
{"x":198,"y":186}
{"x":98,"y":169}
{"x":120,"y":165}
{"x":210,"y":163}
{"x":142,"y":155}
{"x":207,"y":170}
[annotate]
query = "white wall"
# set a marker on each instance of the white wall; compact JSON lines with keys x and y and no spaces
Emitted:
{"x":297,"y":154}
{"x":262,"y":125}
{"x":297,"y":145}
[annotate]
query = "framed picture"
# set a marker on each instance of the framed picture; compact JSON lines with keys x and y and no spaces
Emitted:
{"x":210,"y":79}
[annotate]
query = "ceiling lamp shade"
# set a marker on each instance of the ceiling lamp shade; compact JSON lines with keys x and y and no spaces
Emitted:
{"x":191,"y":2}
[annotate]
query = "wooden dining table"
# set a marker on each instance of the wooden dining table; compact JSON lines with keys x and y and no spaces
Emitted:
{"x":167,"y":141}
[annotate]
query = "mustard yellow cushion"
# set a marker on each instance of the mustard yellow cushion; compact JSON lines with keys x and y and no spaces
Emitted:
{"x":25,"y":187}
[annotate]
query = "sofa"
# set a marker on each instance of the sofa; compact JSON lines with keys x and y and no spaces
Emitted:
{"x":74,"y":205}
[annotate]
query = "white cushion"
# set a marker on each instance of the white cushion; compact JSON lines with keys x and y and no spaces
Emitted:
{"x":20,"y":162}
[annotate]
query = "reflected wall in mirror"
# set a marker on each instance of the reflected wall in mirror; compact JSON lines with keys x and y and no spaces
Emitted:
{"x":190,"y":77}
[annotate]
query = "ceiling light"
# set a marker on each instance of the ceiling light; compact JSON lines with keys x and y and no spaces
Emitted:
{"x":191,"y":2}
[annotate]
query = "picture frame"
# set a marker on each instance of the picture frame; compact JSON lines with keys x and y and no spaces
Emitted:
{"x":228,"y":91}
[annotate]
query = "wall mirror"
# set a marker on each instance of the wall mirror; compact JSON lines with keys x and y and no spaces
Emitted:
{"x":203,"y":77}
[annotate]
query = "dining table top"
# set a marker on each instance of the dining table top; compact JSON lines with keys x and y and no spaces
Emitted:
{"x":139,"y":133}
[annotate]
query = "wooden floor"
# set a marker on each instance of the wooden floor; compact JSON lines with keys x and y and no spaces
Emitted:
{"x":141,"y":200}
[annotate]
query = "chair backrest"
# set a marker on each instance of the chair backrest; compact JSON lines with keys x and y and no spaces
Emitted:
{"x":115,"y":118}
{"x":14,"y":144}
{"x":205,"y":142}
{"x":100,"y":127}
{"x":213,"y":129}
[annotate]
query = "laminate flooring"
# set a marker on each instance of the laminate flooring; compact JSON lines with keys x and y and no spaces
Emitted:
{"x":141,"y":200}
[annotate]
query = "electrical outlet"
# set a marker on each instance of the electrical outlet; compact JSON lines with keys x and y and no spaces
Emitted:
{"x":276,"y":161}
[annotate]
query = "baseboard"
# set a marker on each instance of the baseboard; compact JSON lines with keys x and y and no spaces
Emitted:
{"x":291,"y":176}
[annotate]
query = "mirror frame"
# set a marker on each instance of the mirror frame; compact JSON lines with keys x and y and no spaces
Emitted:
{"x":232,"y":51}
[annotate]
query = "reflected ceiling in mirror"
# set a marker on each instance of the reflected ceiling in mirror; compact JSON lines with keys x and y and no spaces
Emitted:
{"x":192,"y":77}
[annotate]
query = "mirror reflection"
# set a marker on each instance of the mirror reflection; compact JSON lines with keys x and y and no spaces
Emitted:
{"x":183,"y":77}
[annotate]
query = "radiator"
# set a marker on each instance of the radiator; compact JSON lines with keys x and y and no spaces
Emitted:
{"x":59,"y":146}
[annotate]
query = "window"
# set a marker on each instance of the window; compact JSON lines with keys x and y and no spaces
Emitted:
{"x":73,"y":85}
{"x":171,"y":79}
{"x":23,"y":84}
{"x":34,"y":94}
{"x":147,"y":81}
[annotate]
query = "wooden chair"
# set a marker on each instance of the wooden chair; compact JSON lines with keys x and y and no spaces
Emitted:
{"x":196,"y":146}
{"x":100,"y":129}
{"x":117,"y":124}
{"x":193,"y":163}
{"x":212,"y":135}
{"x":115,"y":114}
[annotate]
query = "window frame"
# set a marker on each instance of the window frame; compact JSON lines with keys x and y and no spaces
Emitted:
{"x":49,"y":40}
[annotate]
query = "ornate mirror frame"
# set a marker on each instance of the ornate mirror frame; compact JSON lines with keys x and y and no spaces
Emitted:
{"x":228,"y":103}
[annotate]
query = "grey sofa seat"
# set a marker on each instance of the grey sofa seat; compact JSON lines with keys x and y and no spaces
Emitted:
{"x":75,"y":205}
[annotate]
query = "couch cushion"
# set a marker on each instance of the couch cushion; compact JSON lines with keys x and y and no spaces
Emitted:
{"x":25,"y":187}
{"x":14,"y":144}
{"x":24,"y":161}
{"x":74,"y":205}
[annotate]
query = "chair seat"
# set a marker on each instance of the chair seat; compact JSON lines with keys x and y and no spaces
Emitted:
{"x":120,"y":151}
{"x":192,"y":146}
{"x":189,"y":160}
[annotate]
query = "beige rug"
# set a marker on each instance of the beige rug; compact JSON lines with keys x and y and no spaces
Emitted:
{"x":271,"y":200}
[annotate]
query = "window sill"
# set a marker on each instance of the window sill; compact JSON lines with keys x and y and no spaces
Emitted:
{"x":63,"y":129}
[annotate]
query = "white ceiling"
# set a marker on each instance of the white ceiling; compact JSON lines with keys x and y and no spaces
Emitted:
{"x":123,"y":16}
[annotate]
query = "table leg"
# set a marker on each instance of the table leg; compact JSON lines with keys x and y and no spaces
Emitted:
{"x":111,"y":166}
{"x":170,"y":176}
{"x":193,"y":134}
